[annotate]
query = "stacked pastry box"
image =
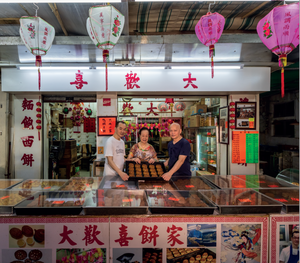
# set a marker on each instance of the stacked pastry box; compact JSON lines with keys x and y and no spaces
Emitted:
{"x":63,"y":197}
{"x":248,"y":194}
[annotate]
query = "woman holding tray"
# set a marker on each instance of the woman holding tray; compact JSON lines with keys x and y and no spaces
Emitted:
{"x":143,"y":151}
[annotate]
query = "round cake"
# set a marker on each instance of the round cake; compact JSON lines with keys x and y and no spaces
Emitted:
{"x":35,"y":254}
{"x":20,"y":254}
{"x":27,"y":231}
{"x":16,"y":233}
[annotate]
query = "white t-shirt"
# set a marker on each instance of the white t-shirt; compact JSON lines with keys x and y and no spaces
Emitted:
{"x":285,"y":254}
{"x":116,"y":149}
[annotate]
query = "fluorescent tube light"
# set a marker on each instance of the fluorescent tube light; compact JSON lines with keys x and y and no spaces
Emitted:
{"x":131,"y":68}
{"x":59,"y":1}
{"x":53,"y":68}
{"x":207,"y":67}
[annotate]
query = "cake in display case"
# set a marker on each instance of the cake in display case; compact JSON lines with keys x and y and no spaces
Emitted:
{"x":9,"y":183}
{"x":242,"y":201}
{"x":116,"y":202}
{"x":81,"y":184}
{"x":289,"y":175}
{"x":178,"y":202}
{"x":40,"y":185}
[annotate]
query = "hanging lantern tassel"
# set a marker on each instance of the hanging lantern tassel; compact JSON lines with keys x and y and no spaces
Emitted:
{"x":105,"y":55}
{"x":38,"y":63}
{"x":282,"y":63}
{"x":39,"y":116}
{"x":211,"y":55}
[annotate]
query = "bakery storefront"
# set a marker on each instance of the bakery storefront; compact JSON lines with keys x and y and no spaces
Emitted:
{"x":226,"y":212}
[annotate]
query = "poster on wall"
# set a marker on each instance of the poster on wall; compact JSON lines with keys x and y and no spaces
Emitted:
{"x":284,"y":238}
{"x":106,"y":125}
{"x":245,"y":115}
{"x":57,"y":240}
{"x":189,"y":239}
{"x":223,"y":125}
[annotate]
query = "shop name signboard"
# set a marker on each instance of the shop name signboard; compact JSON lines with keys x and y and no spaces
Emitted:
{"x":138,"y":80}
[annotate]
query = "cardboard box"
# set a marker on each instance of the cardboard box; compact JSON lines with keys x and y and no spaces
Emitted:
{"x":202,"y":121}
{"x":194,"y":121}
{"x":186,"y":113}
{"x":198,"y":109}
{"x":202,"y":101}
{"x":185,"y":121}
{"x":209,"y":121}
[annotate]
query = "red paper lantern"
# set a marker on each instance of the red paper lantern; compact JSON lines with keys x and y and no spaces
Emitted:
{"x":209,"y":29}
{"x":279,"y":31}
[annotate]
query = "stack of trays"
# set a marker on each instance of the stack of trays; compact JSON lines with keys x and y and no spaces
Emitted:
{"x":144,"y":170}
{"x":10,"y":198}
{"x":9,"y":183}
{"x":40,"y":185}
{"x":289,"y":197}
{"x":116,"y":202}
{"x":178,"y":202}
{"x":189,"y":255}
{"x":191,"y":183}
{"x":81,"y":184}
{"x":53,"y":203}
{"x":242,"y":201}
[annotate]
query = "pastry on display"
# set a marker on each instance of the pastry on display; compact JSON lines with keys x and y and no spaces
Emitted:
{"x":187,"y":255}
{"x":16,"y":233}
{"x":5,"y":183}
{"x":287,"y":196}
{"x":120,"y":198}
{"x":20,"y":254}
{"x":27,"y":231}
{"x":11,"y":198}
{"x":35,"y":254}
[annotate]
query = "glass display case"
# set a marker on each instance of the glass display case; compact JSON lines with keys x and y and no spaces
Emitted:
{"x":207,"y":149}
{"x":289,"y":175}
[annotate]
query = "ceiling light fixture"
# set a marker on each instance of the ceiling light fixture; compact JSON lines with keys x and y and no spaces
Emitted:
{"x":131,"y":68}
{"x":208,"y":67}
{"x":60,"y":1}
{"x":53,"y":68}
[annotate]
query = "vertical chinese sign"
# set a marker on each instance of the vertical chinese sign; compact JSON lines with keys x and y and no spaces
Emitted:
{"x":27,"y":147}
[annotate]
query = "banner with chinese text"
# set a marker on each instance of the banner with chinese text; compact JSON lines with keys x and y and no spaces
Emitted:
{"x":51,"y":240}
{"x":27,"y":146}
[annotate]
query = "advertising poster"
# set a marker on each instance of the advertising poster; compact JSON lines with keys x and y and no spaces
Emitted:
{"x":284,"y":238}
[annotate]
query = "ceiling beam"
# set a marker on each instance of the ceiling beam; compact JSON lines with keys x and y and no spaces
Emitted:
{"x":255,"y":9}
{"x":10,"y":21}
{"x":56,"y":13}
{"x":162,"y":39}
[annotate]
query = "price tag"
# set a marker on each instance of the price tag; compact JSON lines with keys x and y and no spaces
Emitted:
{"x":120,"y":185}
{"x":246,"y":200}
{"x":295,"y":199}
{"x":58,"y":202}
{"x":281,"y":200}
{"x":126,"y":200}
{"x":4,"y":197}
{"x":173,"y":199}
{"x":48,"y":187}
{"x":157,"y":186}
{"x":189,"y":186}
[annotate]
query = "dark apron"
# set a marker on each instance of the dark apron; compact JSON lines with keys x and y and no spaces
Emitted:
{"x":293,"y":258}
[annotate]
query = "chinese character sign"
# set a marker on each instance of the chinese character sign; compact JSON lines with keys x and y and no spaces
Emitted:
{"x":79,"y":82}
{"x":279,"y":31}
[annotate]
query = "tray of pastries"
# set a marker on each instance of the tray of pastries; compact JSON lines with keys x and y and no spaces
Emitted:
{"x":41,"y":184}
{"x":9,"y":183}
{"x":10,"y":198}
{"x":81,"y":184}
{"x":53,"y":203}
{"x":152,"y":255}
{"x":289,"y":197}
{"x":191,"y":183}
{"x":156,"y":184}
{"x":191,"y":255}
{"x":265,"y":181}
{"x":116,"y":202}
{"x":178,"y":202}
{"x":242,"y":201}
{"x":144,"y":170}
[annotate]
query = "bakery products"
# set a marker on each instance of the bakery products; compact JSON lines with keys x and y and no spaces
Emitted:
{"x":35,"y":254}
{"x":16,"y":233}
{"x":20,"y":254}
{"x":27,"y":231}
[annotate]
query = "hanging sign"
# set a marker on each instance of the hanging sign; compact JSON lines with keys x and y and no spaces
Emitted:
{"x":245,"y":147}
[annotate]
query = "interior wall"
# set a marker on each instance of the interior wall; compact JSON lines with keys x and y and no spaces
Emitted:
{"x":46,"y":123}
{"x":4,"y":132}
{"x":223,"y":148}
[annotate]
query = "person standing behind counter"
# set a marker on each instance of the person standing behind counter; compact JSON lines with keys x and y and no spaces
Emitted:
{"x":115,"y":152}
{"x":179,"y":154}
{"x":290,"y":254}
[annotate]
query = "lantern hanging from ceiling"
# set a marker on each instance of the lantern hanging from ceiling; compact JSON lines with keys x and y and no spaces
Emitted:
{"x":179,"y":106}
{"x":279,"y":31}
{"x":209,"y":29}
{"x":37,"y":36}
{"x":163,"y":107}
{"x":104,"y":26}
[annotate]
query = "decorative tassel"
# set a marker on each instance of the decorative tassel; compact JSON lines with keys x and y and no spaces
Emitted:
{"x":105,"y":55}
{"x":211,"y":55}
{"x":39,"y":74}
{"x":38,"y":63}
{"x":282,"y":63}
{"x":106,"y":81}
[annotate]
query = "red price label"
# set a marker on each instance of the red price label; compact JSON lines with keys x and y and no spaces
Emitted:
{"x":246,"y":200}
{"x":273,"y":185}
{"x":58,"y":202}
{"x":295,"y":199}
{"x":87,"y":185}
{"x":157,"y":186}
{"x":4,"y":197}
{"x":127,"y":200}
{"x":48,"y":187}
{"x":189,"y":186}
{"x":173,"y":199}
{"x":120,"y":185}
{"x":281,"y":200}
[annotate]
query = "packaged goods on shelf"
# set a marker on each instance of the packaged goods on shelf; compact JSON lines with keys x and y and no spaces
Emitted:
{"x":198,"y":109}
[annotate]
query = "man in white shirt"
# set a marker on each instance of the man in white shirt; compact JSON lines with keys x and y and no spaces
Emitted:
{"x":290,"y":254}
{"x":114,"y":153}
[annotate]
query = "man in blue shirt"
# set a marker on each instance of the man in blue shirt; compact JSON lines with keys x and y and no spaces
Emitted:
{"x":179,"y":154}
{"x":195,"y":236}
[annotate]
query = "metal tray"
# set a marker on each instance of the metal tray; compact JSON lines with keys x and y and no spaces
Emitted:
{"x":9,"y":183}
{"x":176,"y":202}
{"x":40,"y":185}
{"x":156,"y":184}
{"x":242,"y":201}
{"x":116,"y":202}
{"x":287,"y":196}
{"x":115,"y":182}
{"x":194,"y":253}
{"x":52,"y":203}
{"x":191,"y":183}
{"x":10,"y":198}
{"x":81,"y":184}
{"x":141,"y":165}
{"x":228,"y":181}
{"x":265,"y":181}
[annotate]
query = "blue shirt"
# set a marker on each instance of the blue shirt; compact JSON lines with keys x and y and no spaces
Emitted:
{"x":181,"y":147}
{"x":195,"y":233}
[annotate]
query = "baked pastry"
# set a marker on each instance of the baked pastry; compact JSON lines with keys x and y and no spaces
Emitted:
{"x":20,"y":254}
{"x":205,"y":255}
{"x":30,"y":241}
{"x":192,"y":260}
{"x":39,"y":236}
{"x":198,"y":257}
{"x":28,"y":260}
{"x":35,"y":254}
{"x":27,"y":231}
{"x":209,"y":258}
{"x":16,"y":233}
